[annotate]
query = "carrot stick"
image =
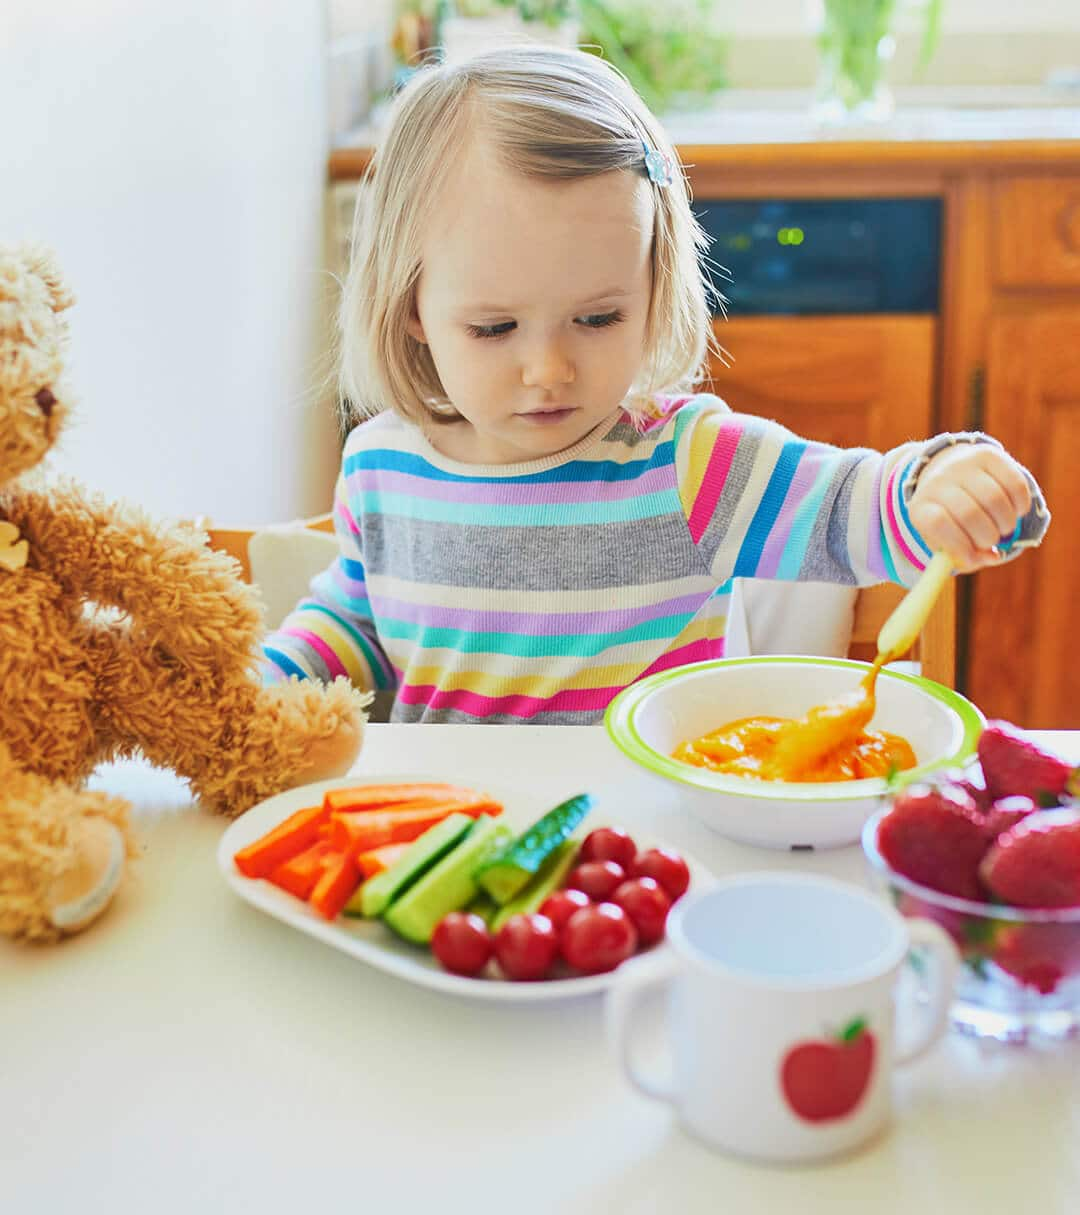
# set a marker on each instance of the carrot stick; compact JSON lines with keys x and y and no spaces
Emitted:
{"x":360,"y":832}
{"x":375,"y":797}
{"x":260,"y":858}
{"x":336,"y":886}
{"x":376,"y":860}
{"x":299,"y":874}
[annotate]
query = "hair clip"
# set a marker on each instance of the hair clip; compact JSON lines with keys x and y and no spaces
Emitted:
{"x":658,"y":166}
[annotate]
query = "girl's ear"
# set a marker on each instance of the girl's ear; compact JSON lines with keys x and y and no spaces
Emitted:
{"x":414,"y":326}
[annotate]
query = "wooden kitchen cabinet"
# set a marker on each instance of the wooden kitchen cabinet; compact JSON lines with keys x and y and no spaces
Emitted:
{"x":1036,"y":237}
{"x":1023,"y":620}
{"x":850,"y":380}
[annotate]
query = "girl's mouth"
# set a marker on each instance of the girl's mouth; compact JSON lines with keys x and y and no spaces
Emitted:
{"x":548,"y":417}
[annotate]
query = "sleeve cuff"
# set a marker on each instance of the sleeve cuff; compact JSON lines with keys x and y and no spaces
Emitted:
{"x":1029,"y":530}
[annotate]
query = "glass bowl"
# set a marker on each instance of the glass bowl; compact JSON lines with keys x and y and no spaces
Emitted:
{"x":1020,"y":977}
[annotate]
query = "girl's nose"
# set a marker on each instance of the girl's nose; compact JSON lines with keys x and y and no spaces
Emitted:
{"x":547,"y":367}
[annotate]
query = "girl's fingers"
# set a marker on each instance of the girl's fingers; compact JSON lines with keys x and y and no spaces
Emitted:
{"x":971,"y":516}
{"x":1013,"y":484}
{"x":1003,"y":507}
{"x":943,"y":533}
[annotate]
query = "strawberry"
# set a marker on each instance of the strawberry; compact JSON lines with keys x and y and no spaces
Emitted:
{"x":1005,"y":813}
{"x":970,"y":780}
{"x":1037,"y":862}
{"x":935,"y":836}
{"x":1038,"y":955}
{"x":1012,"y":763}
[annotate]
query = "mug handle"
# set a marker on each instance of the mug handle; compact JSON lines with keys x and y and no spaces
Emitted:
{"x":935,"y":1019}
{"x":624,"y":1000}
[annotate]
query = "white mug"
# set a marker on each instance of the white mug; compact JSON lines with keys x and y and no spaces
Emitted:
{"x":781,"y":996}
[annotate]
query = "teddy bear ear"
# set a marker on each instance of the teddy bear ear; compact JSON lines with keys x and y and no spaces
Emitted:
{"x":40,"y":261}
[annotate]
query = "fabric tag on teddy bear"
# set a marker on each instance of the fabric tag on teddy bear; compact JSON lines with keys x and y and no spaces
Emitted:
{"x":13,"y":551}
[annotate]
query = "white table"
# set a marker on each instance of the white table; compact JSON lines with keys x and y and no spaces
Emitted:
{"x":190,"y":1054}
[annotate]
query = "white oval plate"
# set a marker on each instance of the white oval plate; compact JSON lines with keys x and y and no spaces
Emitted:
{"x":370,"y":940}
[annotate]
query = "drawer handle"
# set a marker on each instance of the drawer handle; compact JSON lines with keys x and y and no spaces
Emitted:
{"x":1069,"y":224}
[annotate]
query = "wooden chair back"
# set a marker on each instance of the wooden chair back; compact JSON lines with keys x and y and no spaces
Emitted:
{"x":235,"y":540}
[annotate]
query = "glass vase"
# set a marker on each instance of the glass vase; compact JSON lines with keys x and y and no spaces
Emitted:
{"x":855,"y":46}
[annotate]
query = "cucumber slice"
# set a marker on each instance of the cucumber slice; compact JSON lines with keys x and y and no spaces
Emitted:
{"x":551,"y":876}
{"x":508,"y":872}
{"x":448,"y":886}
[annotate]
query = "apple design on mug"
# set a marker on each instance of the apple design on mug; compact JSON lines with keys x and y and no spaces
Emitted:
{"x":823,"y":1079}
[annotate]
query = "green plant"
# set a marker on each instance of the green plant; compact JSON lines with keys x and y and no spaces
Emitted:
{"x":672,"y":51}
{"x":549,"y":12}
{"x":851,"y":39}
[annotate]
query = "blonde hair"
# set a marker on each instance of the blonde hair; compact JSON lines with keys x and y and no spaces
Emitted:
{"x":548,"y":113}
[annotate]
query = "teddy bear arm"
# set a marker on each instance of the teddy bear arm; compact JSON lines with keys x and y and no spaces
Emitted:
{"x":165,"y":579}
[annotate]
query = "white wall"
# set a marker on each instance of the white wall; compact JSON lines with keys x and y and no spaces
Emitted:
{"x":358,"y":16}
{"x":175,"y":157}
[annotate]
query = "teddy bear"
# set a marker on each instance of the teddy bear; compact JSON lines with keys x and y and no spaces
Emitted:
{"x":119,"y":636}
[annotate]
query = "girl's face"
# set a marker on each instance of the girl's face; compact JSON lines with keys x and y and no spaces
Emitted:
{"x":533,"y":300}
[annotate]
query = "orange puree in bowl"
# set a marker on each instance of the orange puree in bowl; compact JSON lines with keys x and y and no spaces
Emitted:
{"x":830,"y":743}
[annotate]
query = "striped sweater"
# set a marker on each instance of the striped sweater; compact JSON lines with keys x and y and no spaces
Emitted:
{"x":535,"y":592}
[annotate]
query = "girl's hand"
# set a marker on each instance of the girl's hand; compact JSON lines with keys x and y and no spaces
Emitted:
{"x":967,"y":500}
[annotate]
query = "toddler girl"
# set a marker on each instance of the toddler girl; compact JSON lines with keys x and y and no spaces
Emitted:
{"x":540,"y":512}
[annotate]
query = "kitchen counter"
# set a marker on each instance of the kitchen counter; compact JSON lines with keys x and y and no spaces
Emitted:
{"x":1013,"y":126}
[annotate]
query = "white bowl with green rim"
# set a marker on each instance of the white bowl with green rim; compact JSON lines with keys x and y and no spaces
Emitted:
{"x":649,"y":719}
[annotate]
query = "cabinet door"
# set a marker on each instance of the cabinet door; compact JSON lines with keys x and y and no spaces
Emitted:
{"x":1037,"y":231}
{"x":859,"y":381}
{"x":1024,"y":664}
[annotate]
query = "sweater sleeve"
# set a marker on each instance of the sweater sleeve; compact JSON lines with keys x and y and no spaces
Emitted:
{"x":760,"y":502}
{"x":332,"y":632}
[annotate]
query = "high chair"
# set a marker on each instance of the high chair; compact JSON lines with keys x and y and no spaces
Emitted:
{"x":236,"y":541}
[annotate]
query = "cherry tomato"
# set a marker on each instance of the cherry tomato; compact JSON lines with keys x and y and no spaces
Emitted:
{"x":561,"y":905}
{"x":598,"y":938}
{"x":647,"y":905}
{"x":526,"y":946}
{"x":462,"y":943}
{"x":597,"y":878}
{"x":609,"y":844}
{"x":665,"y":867}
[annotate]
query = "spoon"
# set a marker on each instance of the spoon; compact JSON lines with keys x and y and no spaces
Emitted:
{"x":906,"y":620}
{"x":807,"y":740}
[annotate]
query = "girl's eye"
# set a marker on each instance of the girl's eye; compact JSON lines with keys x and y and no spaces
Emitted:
{"x":492,"y":331}
{"x":594,"y":320}
{"x":601,"y":320}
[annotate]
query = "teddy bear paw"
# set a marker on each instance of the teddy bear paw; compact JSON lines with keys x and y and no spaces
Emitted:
{"x":331,"y":756}
{"x":85,"y":889}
